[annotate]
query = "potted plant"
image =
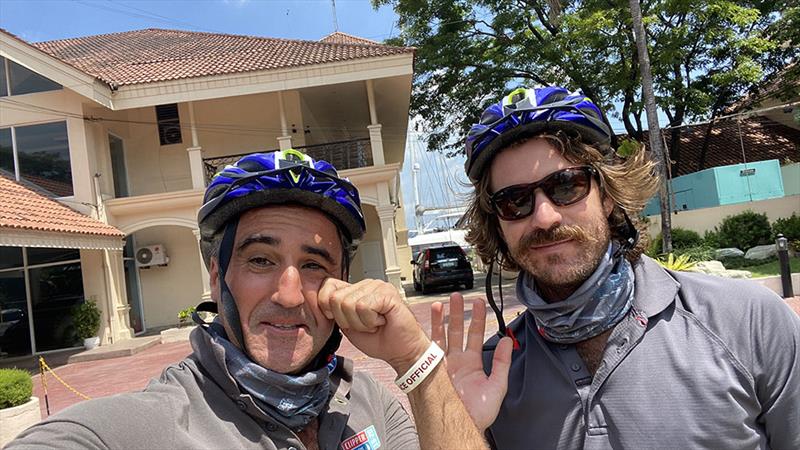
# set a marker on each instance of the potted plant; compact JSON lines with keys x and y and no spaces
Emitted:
{"x":18,"y":408}
{"x":185,"y":316}
{"x":86,"y":317}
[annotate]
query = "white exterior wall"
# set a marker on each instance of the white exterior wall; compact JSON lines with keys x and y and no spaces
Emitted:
{"x":702,"y":220}
{"x":162,"y":205}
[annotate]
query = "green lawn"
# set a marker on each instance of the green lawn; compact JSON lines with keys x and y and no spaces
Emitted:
{"x":772,"y":268}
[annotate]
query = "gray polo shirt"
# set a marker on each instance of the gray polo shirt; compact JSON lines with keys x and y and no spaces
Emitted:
{"x":699,"y":362}
{"x":196,"y":404}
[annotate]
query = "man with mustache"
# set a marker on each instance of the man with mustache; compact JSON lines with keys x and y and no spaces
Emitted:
{"x":613,"y":351}
{"x":278,"y":231}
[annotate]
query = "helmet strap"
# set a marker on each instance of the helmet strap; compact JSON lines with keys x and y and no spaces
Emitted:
{"x":230,"y":313}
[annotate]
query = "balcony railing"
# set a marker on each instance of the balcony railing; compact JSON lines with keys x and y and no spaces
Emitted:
{"x":343,"y":155}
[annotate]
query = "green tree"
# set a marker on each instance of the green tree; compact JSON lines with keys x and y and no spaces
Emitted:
{"x":704,"y":55}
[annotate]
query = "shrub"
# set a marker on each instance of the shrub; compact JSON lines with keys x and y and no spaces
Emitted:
{"x":711,"y":239}
{"x":16,"y":387}
{"x":744,"y":231}
{"x":699,"y":253}
{"x":681,"y":239}
{"x":185,"y":315}
{"x":789,"y":227}
{"x":681,"y":263}
{"x":86,"y":317}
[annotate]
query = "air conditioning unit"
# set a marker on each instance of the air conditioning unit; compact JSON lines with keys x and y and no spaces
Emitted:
{"x":152,"y":255}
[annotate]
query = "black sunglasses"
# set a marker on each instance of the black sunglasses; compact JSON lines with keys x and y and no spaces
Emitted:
{"x":563,"y":187}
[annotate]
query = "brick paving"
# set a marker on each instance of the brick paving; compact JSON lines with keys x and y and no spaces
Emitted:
{"x":132,"y":373}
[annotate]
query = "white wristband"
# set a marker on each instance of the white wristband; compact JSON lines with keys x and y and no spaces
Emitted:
{"x":421,"y":369}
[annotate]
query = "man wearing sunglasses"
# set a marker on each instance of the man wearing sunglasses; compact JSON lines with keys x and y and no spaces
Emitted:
{"x":278,"y":231}
{"x":613,"y":351}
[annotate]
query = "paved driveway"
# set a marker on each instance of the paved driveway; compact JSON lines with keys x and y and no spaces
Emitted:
{"x":113,"y":376}
{"x":131,"y":373}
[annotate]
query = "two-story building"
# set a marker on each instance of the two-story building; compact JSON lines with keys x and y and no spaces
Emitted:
{"x":127,"y":128}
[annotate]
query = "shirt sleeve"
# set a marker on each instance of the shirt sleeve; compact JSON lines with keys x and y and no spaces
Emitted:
{"x":57,"y":434}
{"x":401,"y":433}
{"x":777,"y":374}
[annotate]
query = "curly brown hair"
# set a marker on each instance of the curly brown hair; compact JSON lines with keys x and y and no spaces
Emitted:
{"x":630,"y":182}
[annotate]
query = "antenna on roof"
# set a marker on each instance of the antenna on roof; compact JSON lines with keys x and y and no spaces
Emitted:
{"x":335,"y":22}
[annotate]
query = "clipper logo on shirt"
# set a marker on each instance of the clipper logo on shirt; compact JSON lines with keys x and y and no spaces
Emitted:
{"x":365,"y":440}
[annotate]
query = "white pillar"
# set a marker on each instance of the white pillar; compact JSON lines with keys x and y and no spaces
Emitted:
{"x":386,"y":212}
{"x":117,"y":297}
{"x":196,"y":167}
{"x":376,"y":143}
{"x":203,"y":270}
{"x":285,"y":139}
{"x":373,"y":113}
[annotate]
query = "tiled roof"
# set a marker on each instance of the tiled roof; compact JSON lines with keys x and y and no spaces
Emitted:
{"x":343,"y":38}
{"x":153,"y":55}
{"x":24,"y":208}
{"x":762,"y":139}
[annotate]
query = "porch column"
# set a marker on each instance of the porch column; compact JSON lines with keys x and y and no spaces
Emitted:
{"x":285,"y":139}
{"x":117,"y":297}
{"x":203,"y":271}
{"x":386,"y":212}
{"x":375,"y":135}
{"x":195,"y":154}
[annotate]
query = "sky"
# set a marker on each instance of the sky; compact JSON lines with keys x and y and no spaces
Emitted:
{"x":37,"y":20}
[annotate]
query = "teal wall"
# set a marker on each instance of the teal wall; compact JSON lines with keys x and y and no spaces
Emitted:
{"x":724,"y":186}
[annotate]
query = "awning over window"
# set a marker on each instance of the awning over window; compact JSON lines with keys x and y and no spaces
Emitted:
{"x":30,"y":219}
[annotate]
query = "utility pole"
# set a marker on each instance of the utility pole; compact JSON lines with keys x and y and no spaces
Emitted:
{"x":335,"y":21}
{"x":652,"y":123}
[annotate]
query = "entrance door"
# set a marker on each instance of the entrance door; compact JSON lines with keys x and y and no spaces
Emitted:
{"x":372,"y":260}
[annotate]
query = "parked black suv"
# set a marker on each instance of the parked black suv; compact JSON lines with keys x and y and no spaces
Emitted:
{"x":440,"y":266}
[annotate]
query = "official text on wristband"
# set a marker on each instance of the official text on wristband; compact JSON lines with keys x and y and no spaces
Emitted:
{"x":421,"y":369}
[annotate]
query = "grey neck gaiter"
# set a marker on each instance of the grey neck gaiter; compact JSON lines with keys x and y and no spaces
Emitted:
{"x":598,"y":304}
{"x":293,"y":400}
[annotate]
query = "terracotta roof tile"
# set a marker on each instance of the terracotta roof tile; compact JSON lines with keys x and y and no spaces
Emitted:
{"x":24,"y":208}
{"x":762,"y":139}
{"x":153,"y":55}
{"x":343,"y":38}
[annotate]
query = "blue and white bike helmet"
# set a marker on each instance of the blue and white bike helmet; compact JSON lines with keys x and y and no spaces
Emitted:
{"x":261,"y":179}
{"x":528,"y":111}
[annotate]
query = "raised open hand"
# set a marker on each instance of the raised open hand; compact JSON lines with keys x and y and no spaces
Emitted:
{"x":481,"y":394}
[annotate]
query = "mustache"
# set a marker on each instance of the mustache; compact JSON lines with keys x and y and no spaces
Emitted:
{"x":555,"y":234}
{"x":271,"y":312}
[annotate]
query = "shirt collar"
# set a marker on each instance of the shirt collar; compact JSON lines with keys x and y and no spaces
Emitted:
{"x":654,"y":287}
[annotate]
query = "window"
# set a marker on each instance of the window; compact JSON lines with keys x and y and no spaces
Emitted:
{"x":38,"y":285}
{"x":118,"y":170}
{"x":3,"y":82}
{"x":18,"y":80}
{"x":7,"y":153}
{"x":169,"y":124}
{"x":41,"y":153}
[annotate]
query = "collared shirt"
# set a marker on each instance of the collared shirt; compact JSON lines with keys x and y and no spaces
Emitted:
{"x":699,"y":362}
{"x":196,"y":404}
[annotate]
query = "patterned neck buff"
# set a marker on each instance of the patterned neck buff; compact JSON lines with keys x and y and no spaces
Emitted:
{"x":598,"y":304}
{"x":293,"y":400}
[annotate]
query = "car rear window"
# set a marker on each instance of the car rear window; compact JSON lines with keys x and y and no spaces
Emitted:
{"x":446,"y":253}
